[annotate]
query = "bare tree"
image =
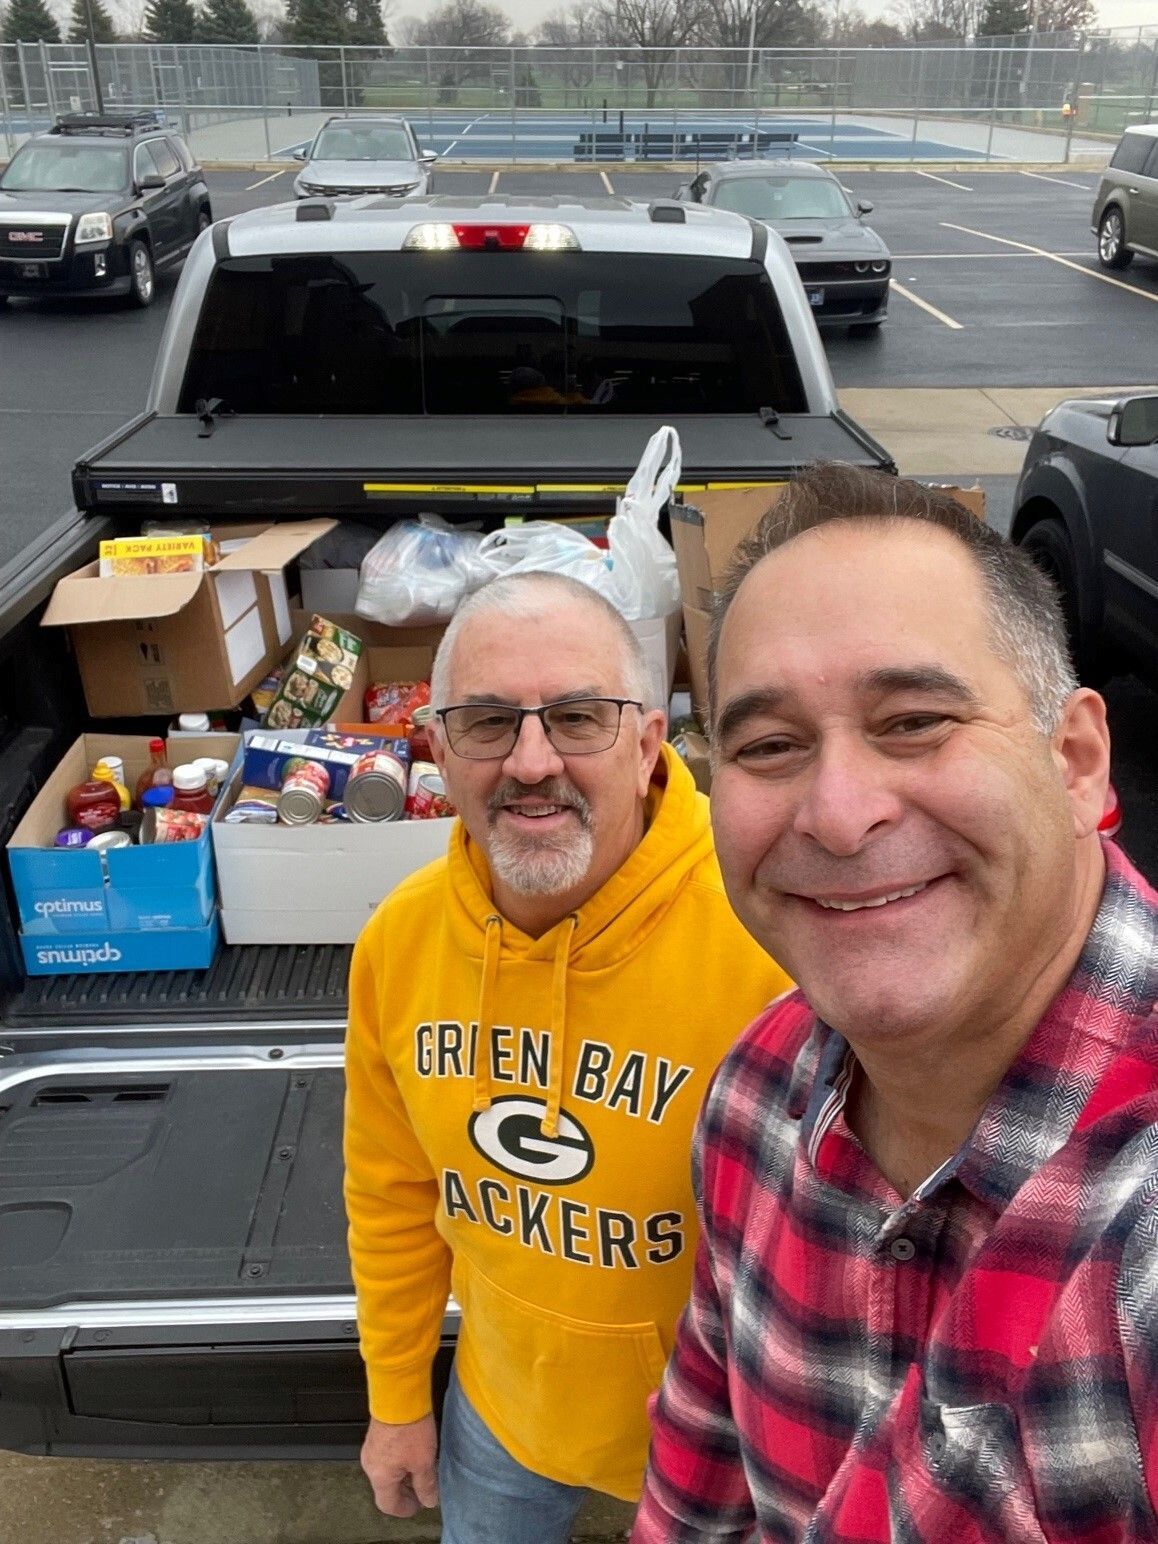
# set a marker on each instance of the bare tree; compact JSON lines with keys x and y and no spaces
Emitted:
{"x":652,"y":30}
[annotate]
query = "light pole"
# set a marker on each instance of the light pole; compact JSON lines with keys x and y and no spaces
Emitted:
{"x":92,"y":58}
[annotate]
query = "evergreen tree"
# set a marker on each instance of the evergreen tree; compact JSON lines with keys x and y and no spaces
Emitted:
{"x":30,"y":21}
{"x":365,"y":25}
{"x":226,"y":21}
{"x":170,"y":21}
{"x":103,"y":30}
{"x":1002,"y":18}
{"x":316,"y":23}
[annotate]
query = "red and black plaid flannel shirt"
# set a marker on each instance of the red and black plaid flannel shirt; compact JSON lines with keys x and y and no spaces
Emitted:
{"x":979,"y":1362}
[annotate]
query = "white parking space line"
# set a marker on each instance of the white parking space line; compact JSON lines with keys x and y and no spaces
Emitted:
{"x":495,"y":180}
{"x":607,"y":183}
{"x":948,"y":181}
{"x":264,"y":180}
{"x":925,"y":306}
{"x":1025,"y":246}
{"x":970,"y":257}
{"x":1062,"y":182}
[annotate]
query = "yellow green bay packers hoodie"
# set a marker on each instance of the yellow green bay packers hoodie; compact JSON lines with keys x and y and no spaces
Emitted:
{"x":518,"y":1129}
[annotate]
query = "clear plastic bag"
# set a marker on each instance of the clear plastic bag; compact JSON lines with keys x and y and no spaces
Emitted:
{"x":637,"y":573}
{"x":418,"y":572}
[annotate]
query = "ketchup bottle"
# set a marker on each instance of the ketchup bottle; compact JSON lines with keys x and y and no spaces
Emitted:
{"x":191,"y":790}
{"x":95,"y":805}
{"x":156,"y":773}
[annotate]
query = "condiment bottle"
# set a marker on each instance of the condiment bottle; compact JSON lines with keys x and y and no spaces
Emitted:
{"x":111,"y":769}
{"x":191,"y":790}
{"x":153,"y":799}
{"x":156,"y":774}
{"x":95,"y":805}
{"x":421,"y":722}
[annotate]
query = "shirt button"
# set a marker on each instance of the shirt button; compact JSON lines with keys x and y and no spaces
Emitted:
{"x":937,"y":1445}
{"x":902,"y":1249}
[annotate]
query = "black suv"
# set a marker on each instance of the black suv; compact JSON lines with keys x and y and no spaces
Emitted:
{"x":1086,"y":507}
{"x":99,"y":205}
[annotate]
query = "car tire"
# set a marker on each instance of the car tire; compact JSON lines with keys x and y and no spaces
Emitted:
{"x":1112,"y":249}
{"x":1049,"y":545}
{"x":142,"y":276}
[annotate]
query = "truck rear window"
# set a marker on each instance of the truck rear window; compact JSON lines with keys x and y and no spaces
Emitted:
{"x":482,"y":332}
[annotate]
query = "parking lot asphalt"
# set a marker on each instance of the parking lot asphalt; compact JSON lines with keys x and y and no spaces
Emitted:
{"x":999,"y":293}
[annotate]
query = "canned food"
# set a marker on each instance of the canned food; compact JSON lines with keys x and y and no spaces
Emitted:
{"x":428,"y":799}
{"x":107,"y":841}
{"x":303,"y":792}
{"x":165,"y":824}
{"x":376,"y":788}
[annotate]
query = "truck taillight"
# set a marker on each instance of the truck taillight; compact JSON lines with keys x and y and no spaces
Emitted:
{"x":485,"y":236}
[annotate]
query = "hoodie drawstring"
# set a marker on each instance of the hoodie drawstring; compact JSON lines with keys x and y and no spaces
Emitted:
{"x":550,"y":1122}
{"x":492,"y":945}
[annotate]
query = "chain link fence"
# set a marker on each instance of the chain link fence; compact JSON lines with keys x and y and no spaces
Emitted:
{"x":1033,"y":96}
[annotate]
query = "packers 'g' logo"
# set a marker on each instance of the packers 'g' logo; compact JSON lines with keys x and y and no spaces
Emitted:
{"x":510,"y":1135}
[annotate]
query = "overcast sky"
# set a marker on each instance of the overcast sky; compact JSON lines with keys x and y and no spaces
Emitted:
{"x":526,"y":13}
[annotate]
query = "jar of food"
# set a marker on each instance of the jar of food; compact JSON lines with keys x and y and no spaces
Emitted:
{"x":421,"y":726}
{"x":215,"y":771}
{"x":94,"y":804}
{"x":191,"y":790}
{"x":193,"y":723}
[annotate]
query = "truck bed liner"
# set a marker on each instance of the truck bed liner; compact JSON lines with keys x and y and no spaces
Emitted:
{"x":193,"y":1183}
{"x":253,"y":982}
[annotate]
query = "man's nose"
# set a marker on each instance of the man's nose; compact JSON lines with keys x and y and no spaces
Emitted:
{"x":532,"y":757}
{"x":850,"y":794}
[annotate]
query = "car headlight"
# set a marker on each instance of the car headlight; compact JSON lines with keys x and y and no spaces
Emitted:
{"x":881,"y":265}
{"x":94,"y":227}
{"x":308,"y":187}
{"x":861,"y":267}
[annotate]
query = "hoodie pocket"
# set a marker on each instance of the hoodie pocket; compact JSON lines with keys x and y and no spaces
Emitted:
{"x":565,"y":1396}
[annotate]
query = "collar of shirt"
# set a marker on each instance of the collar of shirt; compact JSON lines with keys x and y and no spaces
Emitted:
{"x":1105,"y":1005}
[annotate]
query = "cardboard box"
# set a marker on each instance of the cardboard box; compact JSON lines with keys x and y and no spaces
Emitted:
{"x":693,"y":751}
{"x":696,"y":626}
{"x":74,"y":894}
{"x":313,"y":884}
{"x":52,"y":954}
{"x":180,"y":643}
{"x":705,"y":535}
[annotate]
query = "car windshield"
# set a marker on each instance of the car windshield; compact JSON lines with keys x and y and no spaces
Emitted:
{"x":783,"y":198}
{"x":496,"y":333}
{"x":55,"y":167}
{"x":367,"y":143}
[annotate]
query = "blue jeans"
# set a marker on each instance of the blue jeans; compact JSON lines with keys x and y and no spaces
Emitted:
{"x":485,"y":1495}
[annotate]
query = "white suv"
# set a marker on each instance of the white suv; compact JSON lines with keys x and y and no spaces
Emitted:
{"x":351,"y":156}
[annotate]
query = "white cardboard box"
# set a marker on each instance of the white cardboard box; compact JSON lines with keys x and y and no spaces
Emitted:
{"x":313,"y":884}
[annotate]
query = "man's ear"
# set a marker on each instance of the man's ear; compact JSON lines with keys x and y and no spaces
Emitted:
{"x":438,"y":750}
{"x":651,"y":736}
{"x":1081,"y":749}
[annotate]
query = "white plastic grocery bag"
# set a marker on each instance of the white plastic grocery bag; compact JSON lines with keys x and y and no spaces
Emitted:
{"x":418,"y":572}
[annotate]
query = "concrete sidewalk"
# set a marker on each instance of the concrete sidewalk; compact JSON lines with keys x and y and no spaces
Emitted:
{"x":77,"y":1501}
{"x":930,"y":428}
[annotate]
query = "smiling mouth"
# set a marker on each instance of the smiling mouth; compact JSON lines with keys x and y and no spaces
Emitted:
{"x":876,"y":900}
{"x":537,"y":811}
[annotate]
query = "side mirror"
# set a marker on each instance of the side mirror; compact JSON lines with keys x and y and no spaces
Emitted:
{"x":299,"y":155}
{"x":1133,"y":422}
{"x":153,"y":180}
{"x":428,"y":157}
{"x":863,"y":207}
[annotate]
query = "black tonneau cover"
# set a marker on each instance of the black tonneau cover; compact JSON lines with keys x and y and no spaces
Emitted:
{"x":290,"y":466}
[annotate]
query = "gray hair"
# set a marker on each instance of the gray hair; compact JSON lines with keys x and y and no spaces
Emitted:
{"x":1026,"y":625}
{"x":538,"y":595}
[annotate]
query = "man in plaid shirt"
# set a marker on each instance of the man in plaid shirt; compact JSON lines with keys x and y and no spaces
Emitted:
{"x":925,"y":1306}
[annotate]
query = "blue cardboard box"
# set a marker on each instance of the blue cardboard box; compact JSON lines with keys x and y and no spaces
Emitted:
{"x":74,"y":893}
{"x":49,"y":953}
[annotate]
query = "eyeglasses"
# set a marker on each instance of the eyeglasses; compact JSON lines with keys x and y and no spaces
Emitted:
{"x":577,"y":726}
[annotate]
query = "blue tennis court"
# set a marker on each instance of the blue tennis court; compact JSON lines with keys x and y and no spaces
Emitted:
{"x":639,"y":135}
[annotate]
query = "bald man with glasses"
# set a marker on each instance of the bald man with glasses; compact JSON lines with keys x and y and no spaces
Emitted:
{"x":533,"y":1023}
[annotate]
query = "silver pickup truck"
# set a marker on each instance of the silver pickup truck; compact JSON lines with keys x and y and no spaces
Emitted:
{"x":173,"y":1268}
